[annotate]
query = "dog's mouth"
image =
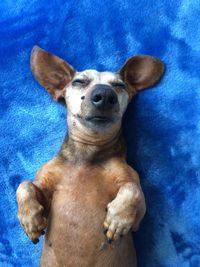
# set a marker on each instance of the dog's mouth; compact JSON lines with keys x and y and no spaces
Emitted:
{"x":98,"y":119}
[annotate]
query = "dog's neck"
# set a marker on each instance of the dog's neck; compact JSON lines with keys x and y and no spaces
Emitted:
{"x":87,"y":147}
{"x":76,"y":152}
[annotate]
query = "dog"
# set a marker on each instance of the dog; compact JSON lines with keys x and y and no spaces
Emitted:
{"x":87,"y":199}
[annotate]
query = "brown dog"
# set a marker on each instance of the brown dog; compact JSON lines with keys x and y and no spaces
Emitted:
{"x":88,"y":185}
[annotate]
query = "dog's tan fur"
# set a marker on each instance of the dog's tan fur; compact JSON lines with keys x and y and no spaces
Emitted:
{"x":87,"y":195}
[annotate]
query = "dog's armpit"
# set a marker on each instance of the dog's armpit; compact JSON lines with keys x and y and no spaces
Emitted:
{"x":125,"y":211}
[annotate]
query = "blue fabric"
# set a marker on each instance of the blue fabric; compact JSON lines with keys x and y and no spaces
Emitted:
{"x":161,"y":125}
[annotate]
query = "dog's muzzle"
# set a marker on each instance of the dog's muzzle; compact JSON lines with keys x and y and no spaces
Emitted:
{"x":103,"y":97}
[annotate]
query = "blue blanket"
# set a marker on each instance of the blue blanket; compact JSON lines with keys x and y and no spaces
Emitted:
{"x":161,"y":125}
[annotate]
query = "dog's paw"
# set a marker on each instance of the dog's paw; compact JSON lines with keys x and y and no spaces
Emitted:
{"x":119,"y":220}
{"x":31,"y":217}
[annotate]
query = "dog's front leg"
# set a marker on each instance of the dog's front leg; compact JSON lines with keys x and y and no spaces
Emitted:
{"x":34,"y":199}
{"x":125,"y":211}
{"x":32,"y":209}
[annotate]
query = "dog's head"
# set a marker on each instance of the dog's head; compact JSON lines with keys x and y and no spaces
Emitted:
{"x":96,"y":101}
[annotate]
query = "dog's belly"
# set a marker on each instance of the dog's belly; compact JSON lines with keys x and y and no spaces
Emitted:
{"x":75,"y":234}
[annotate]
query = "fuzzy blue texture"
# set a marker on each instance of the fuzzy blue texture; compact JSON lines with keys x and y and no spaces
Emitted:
{"x":162,"y":125}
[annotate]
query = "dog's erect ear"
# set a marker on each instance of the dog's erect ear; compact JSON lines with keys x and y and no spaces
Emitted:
{"x":141,"y":72}
{"x":52,"y":72}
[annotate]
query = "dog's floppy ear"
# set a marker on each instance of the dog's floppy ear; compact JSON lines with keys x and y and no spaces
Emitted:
{"x":52,"y":72}
{"x":141,"y":72}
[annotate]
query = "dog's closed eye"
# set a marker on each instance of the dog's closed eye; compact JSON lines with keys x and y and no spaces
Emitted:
{"x":80,"y":82}
{"x":118,"y":85}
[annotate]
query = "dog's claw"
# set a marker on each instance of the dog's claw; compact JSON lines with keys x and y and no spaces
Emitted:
{"x":35,"y":241}
{"x":110,"y":241}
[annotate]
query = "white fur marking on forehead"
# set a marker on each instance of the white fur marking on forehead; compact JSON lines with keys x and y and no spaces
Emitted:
{"x":99,"y":77}
{"x":109,"y":76}
{"x":89,"y":74}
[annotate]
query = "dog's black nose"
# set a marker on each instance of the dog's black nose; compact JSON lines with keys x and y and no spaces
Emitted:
{"x":103,"y":97}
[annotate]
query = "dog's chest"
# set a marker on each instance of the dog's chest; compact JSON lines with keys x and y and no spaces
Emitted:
{"x":85,"y":180}
{"x":83,"y":188}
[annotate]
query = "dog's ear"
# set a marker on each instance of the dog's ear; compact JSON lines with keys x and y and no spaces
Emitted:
{"x":52,"y":72}
{"x":141,"y":72}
